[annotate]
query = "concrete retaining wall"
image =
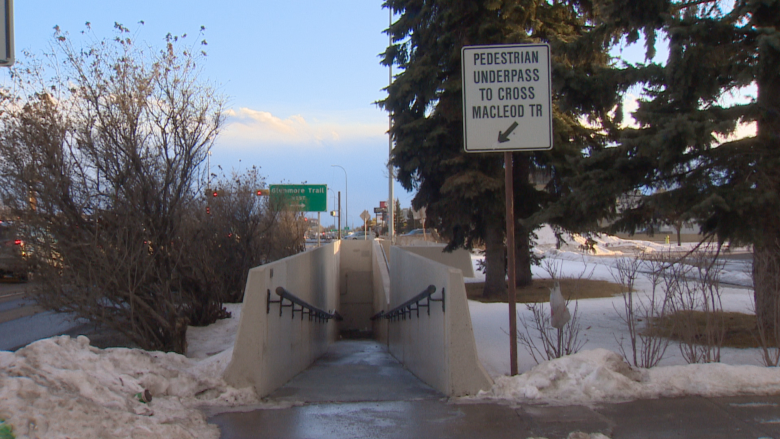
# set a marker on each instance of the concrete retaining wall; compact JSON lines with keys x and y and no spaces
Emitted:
{"x":381,"y":289}
{"x":440,"y":348}
{"x":352,"y":277}
{"x":270,"y":349}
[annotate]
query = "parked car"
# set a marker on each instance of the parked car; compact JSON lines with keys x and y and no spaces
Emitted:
{"x":13,"y":256}
{"x":419,"y":232}
{"x":360,"y":234}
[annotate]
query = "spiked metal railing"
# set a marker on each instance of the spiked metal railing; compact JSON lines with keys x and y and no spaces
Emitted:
{"x":305,"y":308}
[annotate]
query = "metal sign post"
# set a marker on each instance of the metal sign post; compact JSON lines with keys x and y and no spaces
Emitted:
{"x":510,"y":252}
{"x":365,"y":216}
{"x":507,"y":107}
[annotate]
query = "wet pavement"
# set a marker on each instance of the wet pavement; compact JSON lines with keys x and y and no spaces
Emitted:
{"x":22,"y":322}
{"x":358,"y":390}
{"x":355,"y":371}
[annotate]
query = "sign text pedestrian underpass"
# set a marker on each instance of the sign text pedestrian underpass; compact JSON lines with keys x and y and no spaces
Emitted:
{"x":507,"y":104}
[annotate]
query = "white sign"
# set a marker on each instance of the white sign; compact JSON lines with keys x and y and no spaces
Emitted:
{"x":6,"y":33}
{"x":507,"y":103}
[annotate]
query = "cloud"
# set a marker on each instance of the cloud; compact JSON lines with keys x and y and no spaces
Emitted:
{"x":255,"y":128}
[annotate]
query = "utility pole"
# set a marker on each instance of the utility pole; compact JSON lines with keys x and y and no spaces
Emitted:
{"x":391,"y":201}
{"x":346,"y":188}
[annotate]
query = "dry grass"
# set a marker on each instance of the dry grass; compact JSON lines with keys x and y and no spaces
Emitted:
{"x":741,"y":329}
{"x":539,"y":291}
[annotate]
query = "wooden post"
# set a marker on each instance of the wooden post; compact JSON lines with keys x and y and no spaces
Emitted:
{"x":510,"y":252}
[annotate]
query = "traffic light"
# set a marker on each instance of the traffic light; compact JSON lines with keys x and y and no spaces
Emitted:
{"x":214,"y":194}
{"x":263,"y":192}
{"x":208,"y":210}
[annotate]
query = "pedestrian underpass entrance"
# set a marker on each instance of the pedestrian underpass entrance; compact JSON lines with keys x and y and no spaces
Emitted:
{"x":352,"y":371}
{"x":356,"y":289}
{"x":414,"y":306}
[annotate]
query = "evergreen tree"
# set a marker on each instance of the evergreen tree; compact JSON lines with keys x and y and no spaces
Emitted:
{"x":463,"y":193}
{"x":729,"y":186}
{"x":410,"y":223}
{"x":398,"y":217}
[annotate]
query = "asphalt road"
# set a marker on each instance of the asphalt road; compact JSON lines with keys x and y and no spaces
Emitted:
{"x":22,"y":322}
{"x":14,"y":303}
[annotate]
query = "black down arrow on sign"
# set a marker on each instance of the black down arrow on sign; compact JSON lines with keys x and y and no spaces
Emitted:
{"x":504,"y":137}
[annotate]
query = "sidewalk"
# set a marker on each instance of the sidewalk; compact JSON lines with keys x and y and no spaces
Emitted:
{"x":357,"y":390}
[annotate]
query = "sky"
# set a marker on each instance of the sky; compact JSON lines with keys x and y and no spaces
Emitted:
{"x":61,"y":387}
{"x":301,"y":78}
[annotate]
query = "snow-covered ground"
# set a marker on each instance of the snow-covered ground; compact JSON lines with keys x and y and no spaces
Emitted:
{"x":63,"y":388}
{"x":601,"y":323}
{"x":599,"y":373}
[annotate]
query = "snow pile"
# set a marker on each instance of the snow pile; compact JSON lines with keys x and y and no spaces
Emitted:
{"x":63,"y":388}
{"x":595,"y":375}
{"x":603,"y":245}
{"x":212,"y":345}
{"x":601,"y":375}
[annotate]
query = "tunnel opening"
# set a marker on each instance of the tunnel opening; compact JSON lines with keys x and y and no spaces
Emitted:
{"x":361,"y":291}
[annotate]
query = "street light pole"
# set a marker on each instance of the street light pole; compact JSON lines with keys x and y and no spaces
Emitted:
{"x":391,"y":207}
{"x":346,"y":194}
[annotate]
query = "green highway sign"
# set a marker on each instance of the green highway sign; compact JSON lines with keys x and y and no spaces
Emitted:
{"x":306,"y":197}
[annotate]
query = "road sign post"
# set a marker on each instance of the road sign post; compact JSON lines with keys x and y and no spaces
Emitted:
{"x":507,"y":107}
{"x":510,"y":253}
{"x":365,"y":216}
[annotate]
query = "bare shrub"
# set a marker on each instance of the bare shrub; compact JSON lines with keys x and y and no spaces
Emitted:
{"x":708,"y":268}
{"x":647,"y":348}
{"x":288,"y":234}
{"x":232,"y":232}
{"x":554,"y":269}
{"x":537,"y":335}
{"x":555,"y":343}
{"x":99,"y":155}
{"x":692,"y":283}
